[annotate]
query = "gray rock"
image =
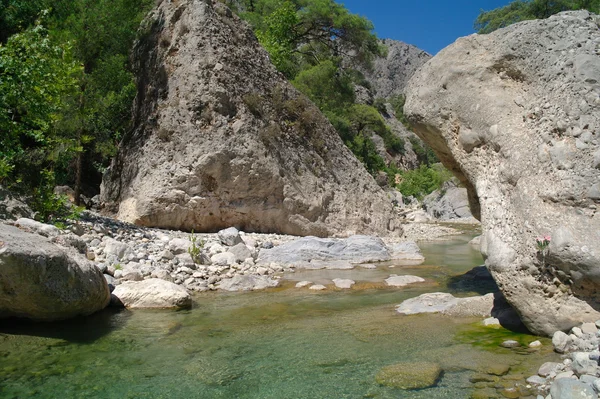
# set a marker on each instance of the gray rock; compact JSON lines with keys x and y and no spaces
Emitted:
{"x":325,"y":251}
{"x":179,"y":246}
{"x":536,"y":380}
{"x":223,"y":259}
{"x":302,"y":284}
{"x":230,"y":237}
{"x":247,"y":283}
{"x":343,"y":283}
{"x":390,"y":74}
{"x":560,"y":341}
{"x":317,"y":287}
{"x":427,"y":303}
{"x":46,"y":230}
{"x":589,"y":328}
{"x":567,"y":388}
{"x":41,"y":281}
{"x":582,"y":364}
{"x":521,"y":180}
{"x":12,"y":208}
{"x":441,"y":302}
{"x":510,"y":343}
{"x":241,"y":252}
{"x":448,"y":203}
{"x":408,"y":250}
{"x":71,"y":240}
{"x":548,"y":368}
{"x":220,"y":149}
{"x":117,"y":248}
{"x":152,"y":293}
{"x":131,"y":275}
{"x":401,"y":281}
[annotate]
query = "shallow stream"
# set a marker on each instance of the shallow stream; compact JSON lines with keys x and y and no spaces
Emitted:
{"x":282,"y":343}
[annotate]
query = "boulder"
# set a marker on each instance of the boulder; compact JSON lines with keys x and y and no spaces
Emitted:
{"x":12,"y":208}
{"x":448,"y":203}
{"x":241,"y":252}
{"x":314,"y":252}
{"x":41,"y":281}
{"x":247,"y":283}
{"x":230,"y":236}
{"x":221,"y":138}
{"x":567,"y":388}
{"x":153,"y":293}
{"x":515,"y":116}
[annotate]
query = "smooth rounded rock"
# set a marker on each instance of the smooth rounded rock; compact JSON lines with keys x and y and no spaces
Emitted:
{"x":42,"y":281}
{"x":152,"y":293}
{"x":402,"y":281}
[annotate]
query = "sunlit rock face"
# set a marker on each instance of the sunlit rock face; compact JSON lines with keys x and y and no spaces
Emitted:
{"x":221,"y":139}
{"x":515,"y":115}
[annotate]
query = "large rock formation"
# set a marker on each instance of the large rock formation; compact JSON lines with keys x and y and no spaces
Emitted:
{"x":222,"y":139}
{"x":390,"y":74}
{"x":515,"y":115}
{"x":41,"y":281}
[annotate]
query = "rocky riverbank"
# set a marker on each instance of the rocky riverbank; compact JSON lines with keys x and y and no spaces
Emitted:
{"x":229,"y":260}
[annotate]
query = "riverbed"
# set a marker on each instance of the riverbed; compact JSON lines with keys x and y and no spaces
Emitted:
{"x":280,"y":343}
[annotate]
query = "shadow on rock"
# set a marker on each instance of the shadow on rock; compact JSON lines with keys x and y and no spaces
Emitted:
{"x":507,"y":315}
{"x":477,"y":280}
{"x":80,"y":329}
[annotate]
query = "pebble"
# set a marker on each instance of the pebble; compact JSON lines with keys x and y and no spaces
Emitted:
{"x":510,"y":344}
{"x":317,"y":287}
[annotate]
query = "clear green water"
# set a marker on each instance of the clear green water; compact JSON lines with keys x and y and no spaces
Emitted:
{"x":285,"y":343}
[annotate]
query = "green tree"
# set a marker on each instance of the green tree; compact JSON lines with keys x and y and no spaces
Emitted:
{"x":326,"y":85}
{"x":521,"y":10}
{"x":36,"y":74}
{"x":296,"y":32}
{"x":102,"y":31}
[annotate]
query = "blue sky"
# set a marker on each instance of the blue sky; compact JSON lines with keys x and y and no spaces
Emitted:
{"x":428,"y":24}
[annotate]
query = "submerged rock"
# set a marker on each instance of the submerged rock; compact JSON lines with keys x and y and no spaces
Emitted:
{"x":409,"y":375}
{"x":41,"y":281}
{"x":247,"y":283}
{"x":152,"y":293}
{"x":401,"y":281}
{"x":448,"y":304}
{"x":515,"y":115}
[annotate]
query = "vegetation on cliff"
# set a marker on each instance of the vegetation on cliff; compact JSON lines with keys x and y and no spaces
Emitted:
{"x":522,"y":10}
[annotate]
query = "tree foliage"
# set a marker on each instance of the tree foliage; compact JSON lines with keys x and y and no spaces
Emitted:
{"x":36,"y":74}
{"x":522,"y":10}
{"x":300,"y":32}
{"x":65,"y":89}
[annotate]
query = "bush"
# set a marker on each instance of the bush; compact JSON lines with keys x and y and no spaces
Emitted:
{"x":420,"y":182}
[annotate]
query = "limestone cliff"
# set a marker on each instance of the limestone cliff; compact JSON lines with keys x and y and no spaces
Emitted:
{"x":515,"y":115}
{"x":222,"y":139}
